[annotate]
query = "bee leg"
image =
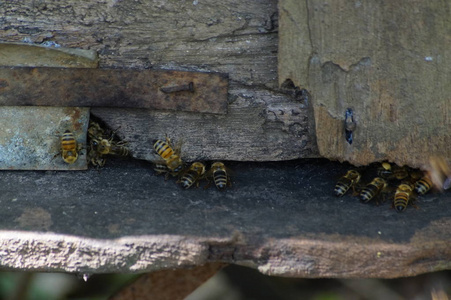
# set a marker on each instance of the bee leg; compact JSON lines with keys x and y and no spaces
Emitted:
{"x":414,"y":205}
{"x":166,"y":176}
{"x":59,"y":153}
{"x":168,"y":141}
{"x":229,"y":182}
{"x":208,"y":184}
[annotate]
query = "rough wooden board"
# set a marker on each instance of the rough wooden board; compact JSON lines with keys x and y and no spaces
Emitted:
{"x":385,"y":60}
{"x":238,"y":38}
{"x":274,"y":128}
{"x":30,"y":136}
{"x":279,"y":218}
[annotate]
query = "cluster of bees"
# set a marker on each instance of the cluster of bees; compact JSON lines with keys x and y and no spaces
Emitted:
{"x":171,"y":164}
{"x":403,"y":183}
{"x":101,"y":143}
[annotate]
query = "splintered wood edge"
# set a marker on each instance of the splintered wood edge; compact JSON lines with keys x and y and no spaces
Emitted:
{"x":296,"y":257}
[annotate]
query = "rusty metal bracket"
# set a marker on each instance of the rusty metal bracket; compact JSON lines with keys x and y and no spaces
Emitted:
{"x":165,"y":90}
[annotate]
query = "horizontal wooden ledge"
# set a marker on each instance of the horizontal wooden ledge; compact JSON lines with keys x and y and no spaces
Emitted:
{"x":280,"y":218}
{"x":303,"y":258}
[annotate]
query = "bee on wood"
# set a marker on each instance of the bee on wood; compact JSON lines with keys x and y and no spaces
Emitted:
{"x":104,"y":147}
{"x":69,"y":147}
{"x":388,"y":171}
{"x":403,"y":194}
{"x":385,"y":170}
{"x":170,"y":155}
{"x":220,"y":174}
{"x":100,"y":145}
{"x":95,"y":131}
{"x":373,"y":189}
{"x":423,"y":185}
{"x":95,"y":159}
{"x":349,"y":180}
{"x":192,"y":175}
{"x":161,"y":169}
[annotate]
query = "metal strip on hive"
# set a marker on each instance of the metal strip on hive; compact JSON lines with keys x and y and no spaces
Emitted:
{"x":165,"y":90}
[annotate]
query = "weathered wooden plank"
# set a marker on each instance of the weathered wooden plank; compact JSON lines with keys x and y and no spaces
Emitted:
{"x":280,"y":218}
{"x":385,"y":60}
{"x":238,"y":38}
{"x":32,"y":55}
{"x":274,"y":128}
{"x":30,"y":136}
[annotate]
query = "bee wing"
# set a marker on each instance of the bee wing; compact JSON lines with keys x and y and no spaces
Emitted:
{"x":447,"y":183}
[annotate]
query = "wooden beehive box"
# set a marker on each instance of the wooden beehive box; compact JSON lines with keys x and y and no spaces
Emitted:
{"x":385,"y":61}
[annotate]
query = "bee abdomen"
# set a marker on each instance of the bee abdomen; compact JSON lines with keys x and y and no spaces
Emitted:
{"x":68,"y":141}
{"x":160,"y":168}
{"x":188,"y":180}
{"x":120,"y":150}
{"x":220,"y":178}
{"x":367,"y":193}
{"x":423,"y":185}
{"x":400,"y":201}
{"x":163,"y":149}
{"x":341,"y":188}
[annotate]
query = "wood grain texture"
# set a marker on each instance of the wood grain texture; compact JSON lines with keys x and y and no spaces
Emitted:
{"x":271,"y":128}
{"x":233,"y":37}
{"x":385,"y":60}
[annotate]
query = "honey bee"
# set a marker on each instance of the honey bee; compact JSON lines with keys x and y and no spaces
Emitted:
{"x":100,"y":145}
{"x":374,"y":188}
{"x":350,"y":179}
{"x":403,"y":194}
{"x":104,"y":147}
{"x":384,"y":170}
{"x":388,"y":171}
{"x":69,"y":147}
{"x":170,"y":155}
{"x":95,"y":131}
{"x":219,"y":173}
{"x":423,"y":185}
{"x":95,"y":159}
{"x":192,"y":175}
{"x":161,"y":169}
